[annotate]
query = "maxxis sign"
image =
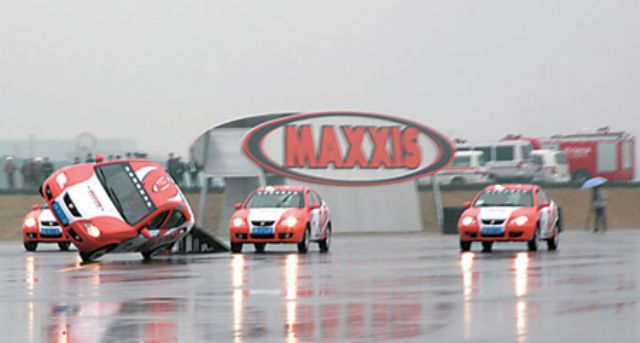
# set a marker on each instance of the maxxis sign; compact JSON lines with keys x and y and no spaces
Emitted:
{"x":347,"y":148}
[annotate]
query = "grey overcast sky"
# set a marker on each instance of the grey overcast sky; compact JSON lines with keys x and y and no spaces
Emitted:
{"x":163,"y":71}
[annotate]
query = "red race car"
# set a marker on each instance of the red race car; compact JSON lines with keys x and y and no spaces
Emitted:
{"x":501,"y":213}
{"x":40,"y":226}
{"x":118,"y":206}
{"x":281,"y":214}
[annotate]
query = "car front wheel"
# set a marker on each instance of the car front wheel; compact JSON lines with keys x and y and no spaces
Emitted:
{"x":532,"y":244}
{"x":64,"y":246}
{"x":90,"y":256}
{"x":31,"y":246}
{"x":465,"y":245}
{"x":236,"y":248}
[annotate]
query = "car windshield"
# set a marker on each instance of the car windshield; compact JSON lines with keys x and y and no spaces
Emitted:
{"x":125,"y":191}
{"x":505,"y":198}
{"x":537,"y":159}
{"x":275,"y":199}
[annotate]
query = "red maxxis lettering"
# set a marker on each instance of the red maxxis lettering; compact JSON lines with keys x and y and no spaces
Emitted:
{"x":395,"y":151}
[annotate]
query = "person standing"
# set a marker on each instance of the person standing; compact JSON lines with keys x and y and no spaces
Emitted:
{"x":171,"y":166}
{"x":598,"y":205}
{"x":179,"y":171}
{"x":192,"y":168}
{"x":10,"y":169}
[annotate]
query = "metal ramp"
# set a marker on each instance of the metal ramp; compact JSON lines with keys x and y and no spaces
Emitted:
{"x":199,"y":241}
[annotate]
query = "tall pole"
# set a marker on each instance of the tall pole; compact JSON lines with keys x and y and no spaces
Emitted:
{"x":204,"y":183}
{"x":437,"y":200}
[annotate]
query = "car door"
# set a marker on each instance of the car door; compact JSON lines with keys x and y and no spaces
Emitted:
{"x":314,"y":216}
{"x":503,"y":165}
{"x":544,"y":214}
{"x":324,"y":211}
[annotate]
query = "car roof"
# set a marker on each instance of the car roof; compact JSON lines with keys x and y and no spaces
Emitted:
{"x":512,"y":187}
{"x":282,"y":188}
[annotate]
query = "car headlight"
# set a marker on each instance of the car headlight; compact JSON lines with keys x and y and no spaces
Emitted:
{"x":61,"y":180}
{"x":30,"y":222}
{"x":237,"y":222}
{"x":92,"y":230}
{"x":290,"y":221}
{"x":521,"y":220}
{"x":466,"y":221}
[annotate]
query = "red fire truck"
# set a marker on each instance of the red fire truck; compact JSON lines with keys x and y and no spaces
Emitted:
{"x":610,"y":154}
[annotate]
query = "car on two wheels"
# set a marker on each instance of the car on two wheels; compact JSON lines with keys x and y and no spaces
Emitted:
{"x":510,"y":213}
{"x":40,"y":226}
{"x":118,"y":206}
{"x":281,"y":214}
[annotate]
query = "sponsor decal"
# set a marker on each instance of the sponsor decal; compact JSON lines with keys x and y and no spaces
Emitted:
{"x":347,"y":148}
{"x":162,"y":184}
{"x":578,"y":152}
{"x":94,"y":198}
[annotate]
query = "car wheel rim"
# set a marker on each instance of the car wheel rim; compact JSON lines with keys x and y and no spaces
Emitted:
{"x":328,"y":238}
{"x":306,"y":239}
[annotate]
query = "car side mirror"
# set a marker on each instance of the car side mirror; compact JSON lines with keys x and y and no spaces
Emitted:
{"x":36,"y":207}
{"x":544,"y":204}
{"x":315,"y":206}
{"x":466,"y":204}
{"x":237,"y":206}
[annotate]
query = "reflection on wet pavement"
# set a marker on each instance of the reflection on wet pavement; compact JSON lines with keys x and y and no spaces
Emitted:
{"x":408,"y":288}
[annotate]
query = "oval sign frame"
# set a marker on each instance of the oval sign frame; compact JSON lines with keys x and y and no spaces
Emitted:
{"x":252,"y":148}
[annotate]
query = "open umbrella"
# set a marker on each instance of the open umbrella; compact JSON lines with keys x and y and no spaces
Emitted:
{"x":594,"y":182}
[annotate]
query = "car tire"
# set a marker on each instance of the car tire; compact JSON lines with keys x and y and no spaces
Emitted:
{"x":553,"y":242}
{"x":236,"y":248}
{"x":532,"y":244}
{"x":149,"y":255}
{"x":64,"y":246}
{"x":91,"y":256}
{"x":457,"y":182}
{"x":465,"y":245}
{"x":303,"y":246}
{"x":325,"y":244}
{"x":487,"y":246}
{"x":30,"y":246}
{"x":259,"y":247}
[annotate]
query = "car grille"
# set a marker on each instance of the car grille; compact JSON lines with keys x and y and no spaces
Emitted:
{"x":262,"y":222}
{"x":49,"y":223}
{"x":71,"y":206}
{"x":492,"y":221}
{"x":263,"y":236}
{"x":492,"y":234}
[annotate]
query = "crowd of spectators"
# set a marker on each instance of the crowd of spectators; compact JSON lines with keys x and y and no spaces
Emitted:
{"x":33,"y":171}
{"x":178,"y":169}
{"x":28,"y":174}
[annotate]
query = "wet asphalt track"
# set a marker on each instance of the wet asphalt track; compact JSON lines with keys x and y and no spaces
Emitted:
{"x":413,"y":288}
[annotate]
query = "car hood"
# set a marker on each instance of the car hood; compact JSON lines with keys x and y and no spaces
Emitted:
{"x":90,"y":199}
{"x":268,"y":214}
{"x":498,"y":212}
{"x":46,"y":215}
